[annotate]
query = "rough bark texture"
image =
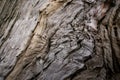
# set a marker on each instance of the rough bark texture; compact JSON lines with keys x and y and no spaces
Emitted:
{"x":59,"y":39}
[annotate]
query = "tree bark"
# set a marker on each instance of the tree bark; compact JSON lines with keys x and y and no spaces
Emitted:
{"x":59,"y":39}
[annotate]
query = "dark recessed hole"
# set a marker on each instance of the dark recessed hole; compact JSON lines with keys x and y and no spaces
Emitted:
{"x":106,"y":26}
{"x":113,"y":4}
{"x":115,"y":31}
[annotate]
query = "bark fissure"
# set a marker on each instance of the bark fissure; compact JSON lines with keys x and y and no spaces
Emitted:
{"x":59,"y":40}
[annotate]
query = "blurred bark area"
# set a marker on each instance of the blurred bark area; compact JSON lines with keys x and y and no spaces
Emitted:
{"x":59,"y":39}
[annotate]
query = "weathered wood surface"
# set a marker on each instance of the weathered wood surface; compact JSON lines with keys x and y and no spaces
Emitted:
{"x":59,"y":39}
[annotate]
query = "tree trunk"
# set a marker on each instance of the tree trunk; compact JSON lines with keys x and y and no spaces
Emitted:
{"x":59,"y":39}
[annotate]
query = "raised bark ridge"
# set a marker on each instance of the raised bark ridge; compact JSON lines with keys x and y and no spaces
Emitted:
{"x":59,"y":40}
